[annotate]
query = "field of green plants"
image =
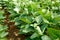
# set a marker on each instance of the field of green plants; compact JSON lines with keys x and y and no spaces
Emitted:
{"x":33,"y":19}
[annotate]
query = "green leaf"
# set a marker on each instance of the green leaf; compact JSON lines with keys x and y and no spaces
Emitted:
{"x":45,"y":20}
{"x":2,"y":31}
{"x":43,"y":27}
{"x":38,"y":19}
{"x":45,"y":37}
{"x":3,"y":38}
{"x":1,"y":15}
{"x":38,"y":29}
{"x":3,"y":34}
{"x":53,"y":33}
{"x":2,"y":28}
{"x":26,"y":29}
{"x":34,"y":35}
{"x":26,"y":19}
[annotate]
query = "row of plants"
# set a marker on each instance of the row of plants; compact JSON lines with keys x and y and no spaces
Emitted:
{"x":37,"y":19}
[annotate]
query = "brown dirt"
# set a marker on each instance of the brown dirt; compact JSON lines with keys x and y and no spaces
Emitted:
{"x":12,"y":30}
